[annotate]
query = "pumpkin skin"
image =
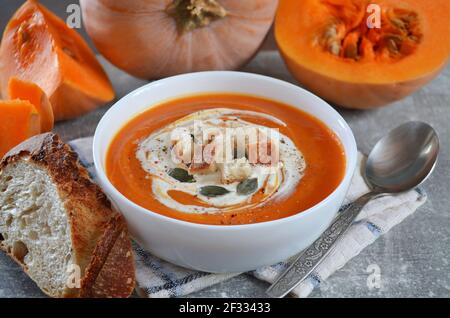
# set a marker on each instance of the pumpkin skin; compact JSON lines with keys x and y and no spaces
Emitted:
{"x":142,"y":38}
{"x":369,"y":78}
{"x":39,"y":47}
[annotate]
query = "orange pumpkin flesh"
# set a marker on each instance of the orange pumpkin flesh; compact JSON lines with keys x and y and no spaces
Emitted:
{"x":330,"y":50}
{"x":39,"y":47}
{"x":19,"y":120}
{"x":18,"y":89}
{"x":157,"y":38}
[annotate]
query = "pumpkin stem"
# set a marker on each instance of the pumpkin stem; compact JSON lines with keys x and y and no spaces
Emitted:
{"x":193,"y":14}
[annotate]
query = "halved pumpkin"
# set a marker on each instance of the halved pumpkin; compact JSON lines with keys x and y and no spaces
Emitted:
{"x":18,"y":89}
{"x":335,"y":49}
{"x":39,"y":47}
{"x":19,"y":120}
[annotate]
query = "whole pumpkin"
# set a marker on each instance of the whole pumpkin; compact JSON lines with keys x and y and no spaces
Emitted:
{"x":157,"y":38}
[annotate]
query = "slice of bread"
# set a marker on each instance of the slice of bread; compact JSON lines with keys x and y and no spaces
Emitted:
{"x":59,"y":226}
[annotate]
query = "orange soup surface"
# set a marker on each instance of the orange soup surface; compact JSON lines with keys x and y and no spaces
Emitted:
{"x":322,"y":151}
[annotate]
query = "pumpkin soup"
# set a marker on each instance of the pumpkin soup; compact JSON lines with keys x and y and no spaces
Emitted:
{"x":225,"y":159}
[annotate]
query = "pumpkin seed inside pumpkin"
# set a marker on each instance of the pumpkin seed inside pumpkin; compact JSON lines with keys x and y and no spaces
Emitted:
{"x":398,"y":25}
{"x":392,"y":45}
{"x":22,"y":33}
{"x":335,"y":48}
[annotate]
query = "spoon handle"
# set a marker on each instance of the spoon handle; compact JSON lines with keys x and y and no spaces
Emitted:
{"x":308,"y":260}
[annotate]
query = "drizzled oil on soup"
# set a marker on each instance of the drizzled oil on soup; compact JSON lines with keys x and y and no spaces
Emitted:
{"x":225,"y":159}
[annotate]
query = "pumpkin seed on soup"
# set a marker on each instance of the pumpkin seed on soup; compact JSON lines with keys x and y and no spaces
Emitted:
{"x":213,"y":191}
{"x":247,"y":186}
{"x":181,"y":175}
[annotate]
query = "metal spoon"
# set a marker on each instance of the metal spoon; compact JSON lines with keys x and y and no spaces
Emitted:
{"x":399,"y":162}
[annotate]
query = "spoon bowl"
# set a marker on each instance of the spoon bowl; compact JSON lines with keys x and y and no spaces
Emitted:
{"x":403,"y":159}
{"x":400,"y":161}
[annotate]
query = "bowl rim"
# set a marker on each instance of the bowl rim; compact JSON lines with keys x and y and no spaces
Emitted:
{"x":112,"y":191}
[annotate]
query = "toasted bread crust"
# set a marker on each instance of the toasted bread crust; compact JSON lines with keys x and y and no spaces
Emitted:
{"x":118,"y":264}
{"x":95,"y":228}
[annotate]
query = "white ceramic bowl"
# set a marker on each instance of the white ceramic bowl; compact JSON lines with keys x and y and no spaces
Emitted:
{"x":215,"y":248}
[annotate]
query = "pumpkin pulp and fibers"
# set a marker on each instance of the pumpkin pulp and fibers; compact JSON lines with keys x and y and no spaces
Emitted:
{"x":363,"y":54}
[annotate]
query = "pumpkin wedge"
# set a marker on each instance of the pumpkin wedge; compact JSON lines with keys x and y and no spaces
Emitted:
{"x":39,"y":47}
{"x":362,"y":54}
{"x":19,"y":120}
{"x":18,"y":89}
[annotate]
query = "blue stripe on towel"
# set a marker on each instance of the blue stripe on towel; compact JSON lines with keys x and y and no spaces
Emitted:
{"x":343,"y":207}
{"x":150,"y":262}
{"x":178,"y":283}
{"x":421,"y":193}
{"x":281,"y":266}
{"x":315,"y":279}
{"x":375,"y":229}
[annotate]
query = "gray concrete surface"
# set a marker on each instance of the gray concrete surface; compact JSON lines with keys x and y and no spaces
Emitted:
{"x":413,"y":257}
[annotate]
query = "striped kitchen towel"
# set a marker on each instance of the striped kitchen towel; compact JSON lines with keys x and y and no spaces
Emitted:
{"x":157,"y":278}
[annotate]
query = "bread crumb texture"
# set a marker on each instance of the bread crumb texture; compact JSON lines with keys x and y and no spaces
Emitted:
{"x":34,"y":226}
